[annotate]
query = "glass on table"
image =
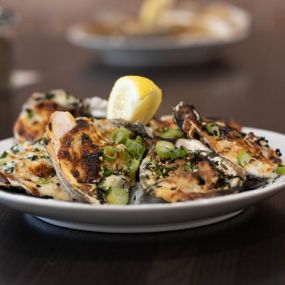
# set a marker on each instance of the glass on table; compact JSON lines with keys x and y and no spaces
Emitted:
{"x":7,"y":35}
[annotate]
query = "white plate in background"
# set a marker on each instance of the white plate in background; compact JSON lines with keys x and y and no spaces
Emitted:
{"x":158,"y":50}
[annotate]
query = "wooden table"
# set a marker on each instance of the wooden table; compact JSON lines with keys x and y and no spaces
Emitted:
{"x":246,"y":84}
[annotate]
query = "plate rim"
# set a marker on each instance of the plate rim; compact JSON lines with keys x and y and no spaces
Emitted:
{"x":213,"y":201}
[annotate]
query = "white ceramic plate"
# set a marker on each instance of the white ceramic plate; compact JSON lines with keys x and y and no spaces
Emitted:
{"x":144,"y":218}
{"x":155,"y":50}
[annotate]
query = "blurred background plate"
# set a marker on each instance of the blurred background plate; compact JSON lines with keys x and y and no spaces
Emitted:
{"x":159,"y":49}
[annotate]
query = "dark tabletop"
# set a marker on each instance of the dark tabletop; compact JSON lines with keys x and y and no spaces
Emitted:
{"x":246,"y":83}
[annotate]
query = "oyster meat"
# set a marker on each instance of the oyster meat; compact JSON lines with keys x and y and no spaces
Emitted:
{"x":35,"y":114}
{"x":91,"y":162}
{"x":191,"y":171}
{"x":250,"y":152}
{"x":28,"y":167}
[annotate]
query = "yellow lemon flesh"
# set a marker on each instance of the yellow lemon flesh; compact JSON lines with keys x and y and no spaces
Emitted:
{"x":134,"y":98}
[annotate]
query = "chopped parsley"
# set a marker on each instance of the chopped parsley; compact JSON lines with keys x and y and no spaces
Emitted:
{"x":107,"y":172}
{"x":30,"y":113}
{"x":49,"y":96}
{"x":15,"y":149}
{"x":33,"y":157}
{"x":4,"y":155}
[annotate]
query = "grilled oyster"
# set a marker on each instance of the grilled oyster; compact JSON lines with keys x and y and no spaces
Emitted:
{"x":246,"y":150}
{"x":36,"y":112}
{"x":166,"y":128}
{"x":27,"y":166}
{"x":185,"y":171}
{"x":95,"y":161}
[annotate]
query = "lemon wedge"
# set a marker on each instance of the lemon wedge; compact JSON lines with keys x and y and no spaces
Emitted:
{"x":134,"y":98}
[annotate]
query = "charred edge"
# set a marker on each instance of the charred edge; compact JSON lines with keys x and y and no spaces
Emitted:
{"x":3,"y":179}
{"x":85,"y":139}
{"x":50,"y":126}
{"x":34,"y":191}
{"x":64,"y":154}
{"x":29,"y":135}
{"x":49,"y":106}
{"x":75,"y":173}
{"x":184,"y":114}
{"x":43,"y":171}
{"x":81,"y":124}
{"x":253,"y":182}
{"x":91,"y":165}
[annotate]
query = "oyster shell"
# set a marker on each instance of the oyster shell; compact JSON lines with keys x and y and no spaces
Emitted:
{"x":77,"y":147}
{"x":28,"y":167}
{"x":201,"y":173}
{"x":35,"y":114}
{"x":250,"y":152}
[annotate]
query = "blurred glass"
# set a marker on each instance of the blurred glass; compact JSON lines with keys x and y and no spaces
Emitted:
{"x":7,"y":35}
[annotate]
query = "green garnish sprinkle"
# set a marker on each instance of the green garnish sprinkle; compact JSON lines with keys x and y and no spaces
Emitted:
{"x":121,"y":135}
{"x":164,"y":149}
{"x":4,"y":155}
{"x":49,"y":96}
{"x":179,"y":153}
{"x":280,"y":170}
{"x":133,"y":168}
{"x":213,"y":130}
{"x":117,"y":196}
{"x":136,"y":150}
{"x":15,"y":149}
{"x":30,"y":113}
{"x":107,"y":172}
{"x":243,"y":157}
{"x":173,"y":133}
{"x":110,"y":153}
{"x":44,"y":181}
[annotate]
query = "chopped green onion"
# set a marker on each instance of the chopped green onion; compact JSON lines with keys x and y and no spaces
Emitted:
{"x":280,"y":170}
{"x":118,"y":196}
{"x":133,"y":168}
{"x":213,"y":130}
{"x":4,"y":155}
{"x":179,"y":153}
{"x":110,"y":153}
{"x":243,"y":157}
{"x":139,"y":140}
{"x":187,"y":166}
{"x":107,"y":172}
{"x":135,"y":149}
{"x":44,"y":181}
{"x":164,"y":149}
{"x":121,"y":135}
{"x":173,"y":133}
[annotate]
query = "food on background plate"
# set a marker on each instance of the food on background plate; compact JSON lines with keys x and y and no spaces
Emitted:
{"x":168,"y":18}
{"x":130,"y":157}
